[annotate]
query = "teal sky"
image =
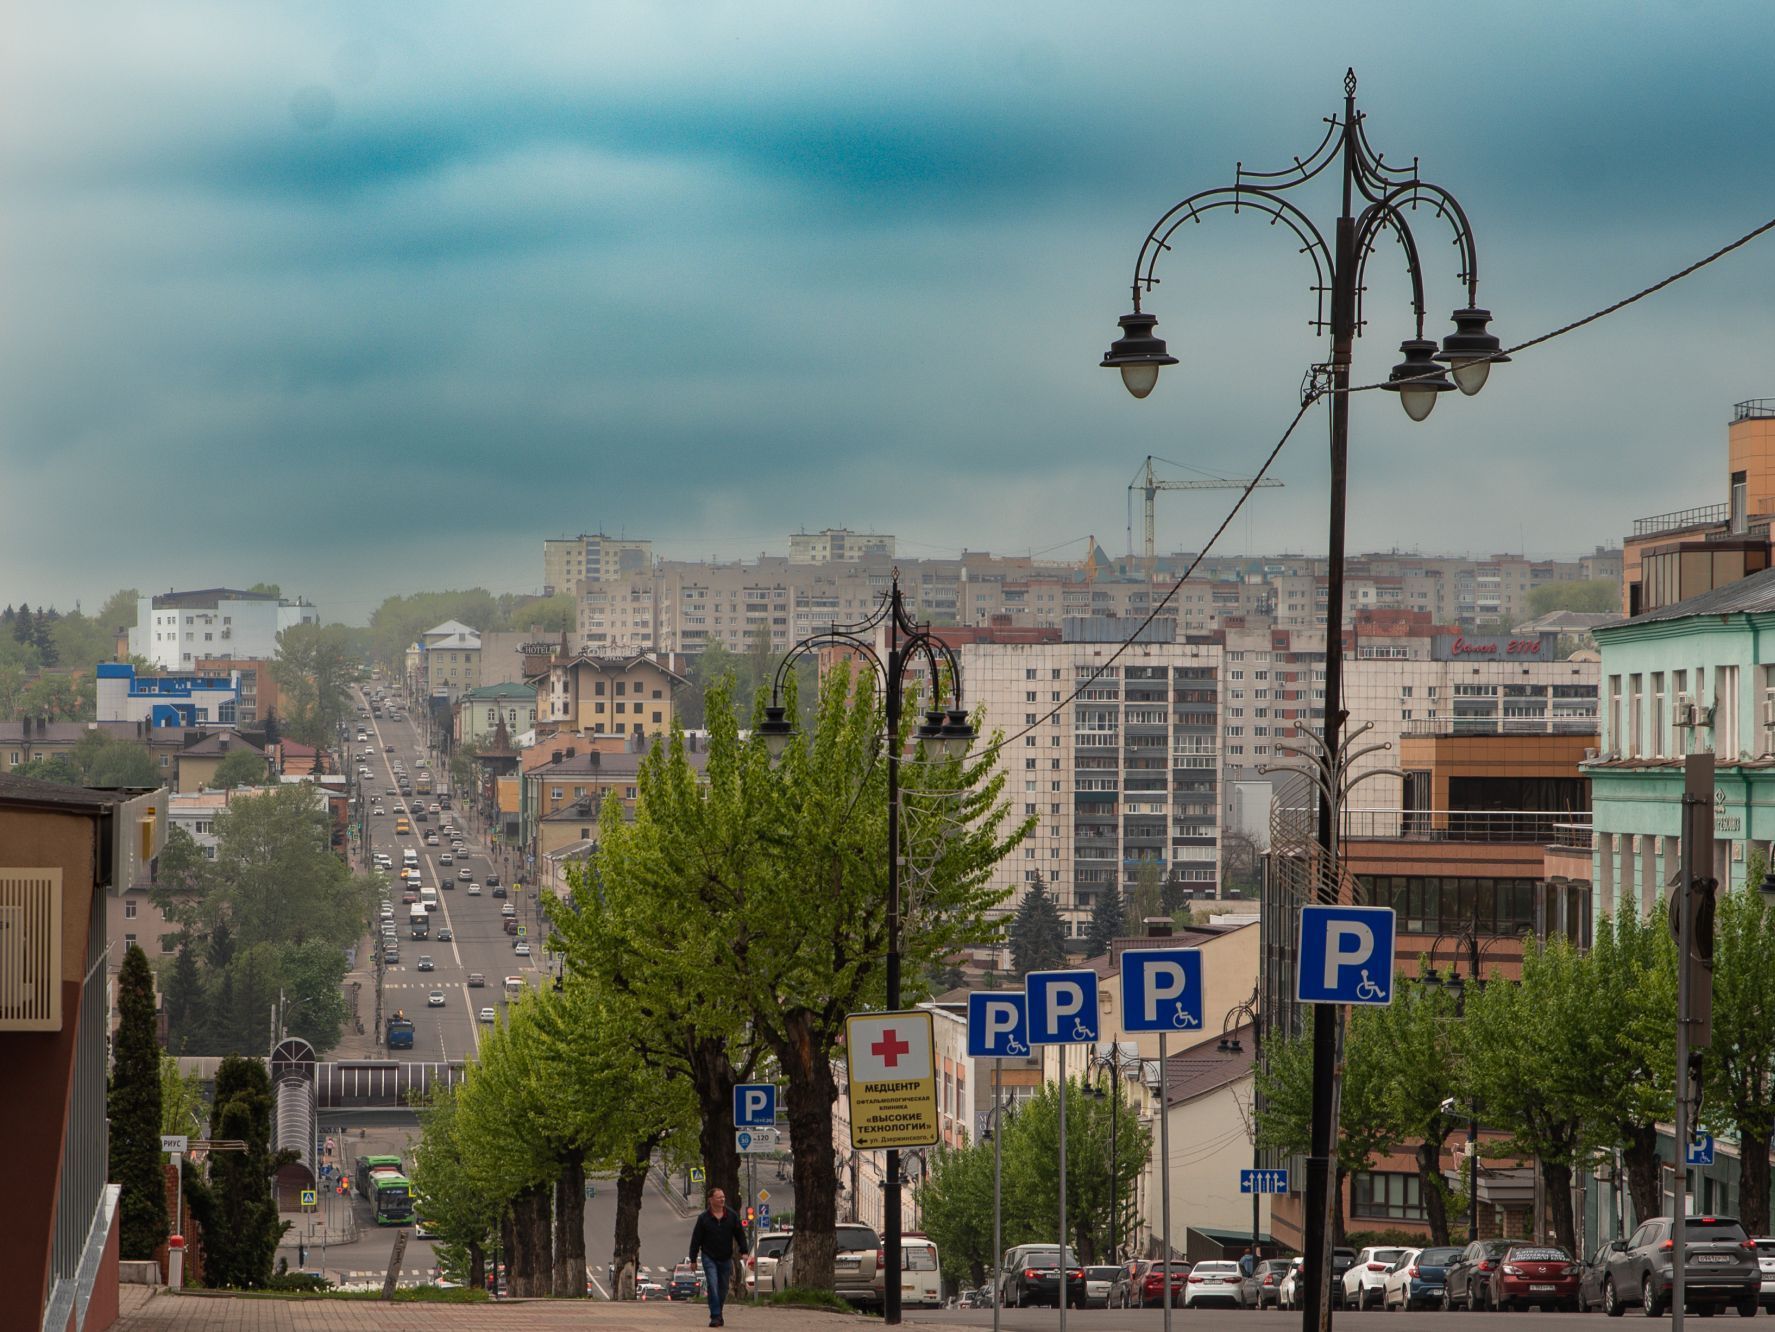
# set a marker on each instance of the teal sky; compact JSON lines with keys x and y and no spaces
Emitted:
{"x":368,"y":298}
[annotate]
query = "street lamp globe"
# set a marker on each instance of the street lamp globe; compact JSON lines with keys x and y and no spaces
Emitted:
{"x":777,"y":731}
{"x":958,"y":734}
{"x":1470,"y":351}
{"x":1138,"y":353}
{"x":1418,"y":379}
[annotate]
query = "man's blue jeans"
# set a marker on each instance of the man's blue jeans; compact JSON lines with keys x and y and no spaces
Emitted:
{"x":715,"y":1277}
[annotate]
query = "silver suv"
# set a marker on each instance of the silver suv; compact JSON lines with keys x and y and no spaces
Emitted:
{"x":1720,"y":1272}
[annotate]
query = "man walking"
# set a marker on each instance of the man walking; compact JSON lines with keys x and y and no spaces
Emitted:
{"x":716,"y":1235}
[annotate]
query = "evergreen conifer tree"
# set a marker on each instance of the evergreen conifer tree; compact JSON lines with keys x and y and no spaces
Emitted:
{"x":1107,"y":922}
{"x":1038,"y":935}
{"x":134,"y":1110}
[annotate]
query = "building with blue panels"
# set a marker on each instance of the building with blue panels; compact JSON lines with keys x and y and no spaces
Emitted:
{"x":166,"y":700}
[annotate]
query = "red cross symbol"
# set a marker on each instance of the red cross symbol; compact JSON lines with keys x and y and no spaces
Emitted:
{"x":890,"y":1047}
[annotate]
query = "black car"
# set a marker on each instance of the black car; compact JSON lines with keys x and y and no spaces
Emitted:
{"x":1342,"y":1260}
{"x":1032,"y":1276}
{"x":1721,"y":1270}
{"x":686,"y":1283}
{"x":1467,"y":1280}
{"x":498,"y":888}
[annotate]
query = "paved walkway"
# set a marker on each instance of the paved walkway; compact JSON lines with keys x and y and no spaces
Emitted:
{"x":149,"y":1309}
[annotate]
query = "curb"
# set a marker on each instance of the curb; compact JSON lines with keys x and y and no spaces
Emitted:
{"x":662,"y":1181}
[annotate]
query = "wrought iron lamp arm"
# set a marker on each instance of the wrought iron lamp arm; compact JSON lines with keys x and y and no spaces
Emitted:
{"x":836,"y":636}
{"x":1264,"y":200}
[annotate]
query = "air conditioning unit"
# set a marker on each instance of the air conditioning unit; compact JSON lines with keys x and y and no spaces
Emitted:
{"x":31,"y":950}
{"x":1769,"y":707}
{"x":1684,"y":713}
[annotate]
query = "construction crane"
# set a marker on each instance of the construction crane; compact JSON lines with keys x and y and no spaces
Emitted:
{"x":1150,"y":484}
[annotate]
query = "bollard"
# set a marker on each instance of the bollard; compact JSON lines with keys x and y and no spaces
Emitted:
{"x":175,"y":1262}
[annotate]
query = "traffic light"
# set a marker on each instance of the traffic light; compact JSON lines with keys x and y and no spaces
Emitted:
{"x":751,"y":1215}
{"x":1697,"y":959}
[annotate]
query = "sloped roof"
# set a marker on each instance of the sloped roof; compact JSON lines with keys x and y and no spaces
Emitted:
{"x":217,"y":743}
{"x":1747,"y":596}
{"x":487,"y":693}
{"x":29,"y":791}
{"x":1203,"y":1069}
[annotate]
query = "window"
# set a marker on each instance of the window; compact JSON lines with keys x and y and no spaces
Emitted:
{"x":1390,"y":1195}
{"x":129,"y":910}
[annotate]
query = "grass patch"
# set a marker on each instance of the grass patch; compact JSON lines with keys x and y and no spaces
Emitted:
{"x":800,"y":1297}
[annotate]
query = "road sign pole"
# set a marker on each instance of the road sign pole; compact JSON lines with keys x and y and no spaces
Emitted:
{"x":1165,"y":1181}
{"x":998,"y":1162}
{"x":1697,"y":830}
{"x":1062,"y":1188}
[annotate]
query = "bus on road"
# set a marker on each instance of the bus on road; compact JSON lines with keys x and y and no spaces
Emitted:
{"x":419,"y":919}
{"x":386,"y":1189}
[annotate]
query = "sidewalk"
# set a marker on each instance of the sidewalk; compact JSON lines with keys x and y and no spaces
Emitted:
{"x":149,"y":1309}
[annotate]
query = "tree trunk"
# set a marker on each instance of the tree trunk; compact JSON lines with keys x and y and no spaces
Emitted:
{"x":508,"y":1243}
{"x":477,"y":1267}
{"x":570,"y":1227}
{"x":807,"y":1067}
{"x":543,"y":1280}
{"x":1556,"y":1188}
{"x":712,"y":1076}
{"x":1429,"y":1155}
{"x":1639,"y":1154}
{"x":631,"y":1185}
{"x":1753,"y":1176}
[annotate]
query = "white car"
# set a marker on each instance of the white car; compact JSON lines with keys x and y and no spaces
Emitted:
{"x":486,"y":1017}
{"x":1215,"y":1282}
{"x":1367,"y":1277}
{"x":1396,"y":1280}
{"x":920,"y":1281}
{"x":445,"y":858}
{"x":435,"y":999}
{"x":474,"y":889}
{"x":1288,"y":1293}
{"x":521,"y":949}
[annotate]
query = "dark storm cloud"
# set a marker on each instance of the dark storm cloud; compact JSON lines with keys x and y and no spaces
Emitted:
{"x":371,"y":305}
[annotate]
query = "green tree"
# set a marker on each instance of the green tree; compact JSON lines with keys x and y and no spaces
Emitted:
{"x":1418,"y":1042}
{"x":185,"y":1015}
{"x":241,"y":767}
{"x":314,"y":671}
{"x":1032,"y":1167}
{"x":119,"y":610}
{"x":1038,"y":935}
{"x":1106,"y":924}
{"x":1593,"y":596}
{"x":134,"y":1111}
{"x":182,"y":1105}
{"x":236,"y":1207}
{"x":464,"y":1218}
{"x":82,"y":642}
{"x":1740,"y":1063}
{"x":275,"y":874}
{"x":955,"y":1207}
{"x":1528,"y":1063}
{"x":1147,"y":898}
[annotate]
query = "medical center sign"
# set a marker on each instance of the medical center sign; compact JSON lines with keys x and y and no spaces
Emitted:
{"x":893,"y":1080}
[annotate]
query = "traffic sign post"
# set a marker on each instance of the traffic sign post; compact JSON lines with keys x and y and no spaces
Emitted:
{"x":753,"y":1141}
{"x":1062,"y":1010}
{"x":1700,"y":1151}
{"x":176,"y":1145}
{"x":1346,"y":955}
{"x":1162,"y":992}
{"x":698,"y":1174}
{"x":308,"y":1196}
{"x":998,"y":1025}
{"x":754,"y":1105}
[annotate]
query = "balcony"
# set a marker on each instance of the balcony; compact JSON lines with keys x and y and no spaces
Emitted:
{"x":1542,"y":827}
{"x":1490,"y":725}
{"x":1678,"y":520}
{"x":1754,"y":409}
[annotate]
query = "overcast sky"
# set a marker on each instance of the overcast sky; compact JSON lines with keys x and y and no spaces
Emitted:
{"x":370,"y":298}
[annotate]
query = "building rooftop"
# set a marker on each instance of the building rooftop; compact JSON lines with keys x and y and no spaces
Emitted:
{"x":1203,"y":1068}
{"x":207,"y":598}
{"x":487,"y":693}
{"x":29,"y":792}
{"x":1747,"y":596}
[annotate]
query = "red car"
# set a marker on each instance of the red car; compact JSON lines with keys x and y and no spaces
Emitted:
{"x":1142,"y":1285}
{"x":1535,"y":1274}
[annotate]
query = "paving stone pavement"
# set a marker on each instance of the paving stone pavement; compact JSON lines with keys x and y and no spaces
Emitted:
{"x":150,"y":1309}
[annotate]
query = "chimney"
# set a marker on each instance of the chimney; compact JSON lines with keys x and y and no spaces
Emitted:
{"x":555,"y":756}
{"x":1158,"y":927}
{"x":594,"y":757}
{"x":570,"y":749}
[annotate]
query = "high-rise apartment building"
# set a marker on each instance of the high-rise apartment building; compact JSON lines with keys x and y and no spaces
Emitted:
{"x":174,"y":630}
{"x":590,"y":557}
{"x":839,"y":545}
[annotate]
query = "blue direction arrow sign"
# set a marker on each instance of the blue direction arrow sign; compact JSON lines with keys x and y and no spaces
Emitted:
{"x":1700,"y":1150}
{"x":1263,"y":1181}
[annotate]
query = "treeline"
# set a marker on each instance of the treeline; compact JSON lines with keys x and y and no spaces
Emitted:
{"x":721,"y":937}
{"x":1575,"y":1059}
{"x":274,"y":912}
{"x":398,"y":621}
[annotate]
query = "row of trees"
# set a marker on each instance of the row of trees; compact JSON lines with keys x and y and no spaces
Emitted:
{"x":97,"y":760}
{"x":721,"y":936}
{"x":235,"y":1204}
{"x":314,"y":669}
{"x":274,"y":912}
{"x":398,"y":621}
{"x":955,"y":1199}
{"x":46,"y":637}
{"x":1574,"y":1061}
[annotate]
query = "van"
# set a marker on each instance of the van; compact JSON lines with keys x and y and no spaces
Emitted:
{"x":514,"y":986}
{"x":921,"y":1281}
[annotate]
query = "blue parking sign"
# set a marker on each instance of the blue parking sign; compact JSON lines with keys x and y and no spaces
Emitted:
{"x":1162,"y":989}
{"x":1062,"y":1007}
{"x":1346,"y":955}
{"x":997,"y":1024}
{"x":754,"y":1104}
{"x":1700,"y":1151}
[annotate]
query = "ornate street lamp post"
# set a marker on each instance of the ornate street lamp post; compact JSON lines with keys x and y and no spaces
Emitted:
{"x":1384,"y":194}
{"x":947,"y":735}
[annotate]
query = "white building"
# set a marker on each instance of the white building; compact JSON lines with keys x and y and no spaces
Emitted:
{"x":172,"y":699}
{"x":175,"y":629}
{"x":1126,"y":774}
{"x":839,"y":545}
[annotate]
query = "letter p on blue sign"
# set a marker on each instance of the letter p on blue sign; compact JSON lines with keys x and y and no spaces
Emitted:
{"x":1346,"y":955}
{"x":754,"y":1104}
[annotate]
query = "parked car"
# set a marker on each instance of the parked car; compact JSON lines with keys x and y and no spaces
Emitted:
{"x":1541,"y":1275}
{"x":761,"y":1263}
{"x":1722,"y":1270}
{"x":1269,"y":1276}
{"x":1766,"y":1261}
{"x":1415,"y":1281}
{"x":1590,"y":1280}
{"x":1288,"y":1293}
{"x":1366,"y":1278}
{"x":1215,"y":1281}
{"x":1031,"y":1275}
{"x":1465,"y":1283}
{"x":853,"y":1264}
{"x":921,"y":1283}
{"x":1099,"y":1281}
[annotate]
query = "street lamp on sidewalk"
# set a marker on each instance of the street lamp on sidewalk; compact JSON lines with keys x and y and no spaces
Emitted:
{"x":1384,"y":194}
{"x":1246,"y":1012}
{"x":945,"y":735}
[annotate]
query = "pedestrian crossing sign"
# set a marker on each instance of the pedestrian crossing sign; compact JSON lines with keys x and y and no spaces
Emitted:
{"x":308,"y":1197}
{"x":698,"y":1174}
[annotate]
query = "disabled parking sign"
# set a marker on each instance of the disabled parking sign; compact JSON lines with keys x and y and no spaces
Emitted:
{"x":1162,"y":989}
{"x":1346,"y":955}
{"x":1062,"y":1007}
{"x":997,"y":1025}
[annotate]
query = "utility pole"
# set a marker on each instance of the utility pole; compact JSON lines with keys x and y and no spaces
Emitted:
{"x":1691,"y":921}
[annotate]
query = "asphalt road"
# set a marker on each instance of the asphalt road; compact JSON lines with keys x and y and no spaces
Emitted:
{"x":1151,"y":1320}
{"x":479,"y":943}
